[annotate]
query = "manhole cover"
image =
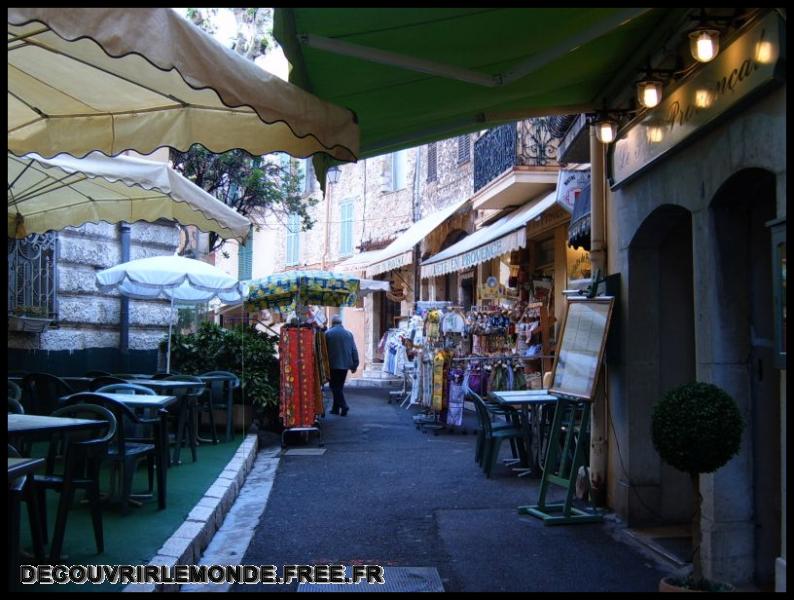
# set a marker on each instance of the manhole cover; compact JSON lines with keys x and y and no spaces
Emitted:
{"x":304,"y":452}
{"x":395,"y":579}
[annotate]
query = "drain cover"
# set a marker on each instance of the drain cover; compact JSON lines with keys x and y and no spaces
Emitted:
{"x":304,"y":452}
{"x":395,"y":579}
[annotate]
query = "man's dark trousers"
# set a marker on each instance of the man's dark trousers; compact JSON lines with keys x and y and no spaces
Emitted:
{"x":338,"y":377}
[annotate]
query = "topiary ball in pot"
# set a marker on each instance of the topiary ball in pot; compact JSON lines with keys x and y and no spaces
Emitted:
{"x":697,"y":428}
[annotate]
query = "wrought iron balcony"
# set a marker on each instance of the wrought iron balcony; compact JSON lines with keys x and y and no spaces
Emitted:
{"x":529,"y":143}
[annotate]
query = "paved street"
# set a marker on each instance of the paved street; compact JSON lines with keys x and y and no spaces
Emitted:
{"x":385,"y":493}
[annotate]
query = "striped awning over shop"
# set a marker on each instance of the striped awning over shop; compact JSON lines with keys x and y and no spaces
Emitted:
{"x":503,"y":236}
{"x":579,"y":230}
{"x":400,"y":252}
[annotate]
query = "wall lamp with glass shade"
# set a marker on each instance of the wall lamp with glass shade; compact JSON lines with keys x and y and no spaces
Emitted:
{"x":704,"y":44}
{"x":649,"y":92}
{"x":333,"y":175}
{"x":606,"y":129}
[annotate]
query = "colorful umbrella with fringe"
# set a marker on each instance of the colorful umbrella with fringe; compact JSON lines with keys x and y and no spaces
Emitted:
{"x":284,"y":291}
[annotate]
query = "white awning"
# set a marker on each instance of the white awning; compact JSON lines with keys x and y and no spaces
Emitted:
{"x":503,"y":236}
{"x":358,"y":262}
{"x":399,"y":252}
{"x":368,"y":286}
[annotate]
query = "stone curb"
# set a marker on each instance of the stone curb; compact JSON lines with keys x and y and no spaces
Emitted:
{"x":187,"y":543}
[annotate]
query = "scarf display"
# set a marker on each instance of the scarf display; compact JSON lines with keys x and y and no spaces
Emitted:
{"x":300,"y":391}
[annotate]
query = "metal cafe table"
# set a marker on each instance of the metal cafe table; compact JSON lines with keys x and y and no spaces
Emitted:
{"x":37,"y":427}
{"x":526,"y":399}
{"x":161,"y":403}
{"x":164,"y":386}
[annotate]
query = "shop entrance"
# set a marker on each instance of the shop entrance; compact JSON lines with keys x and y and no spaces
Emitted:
{"x":660,"y":356}
{"x":739,"y":211}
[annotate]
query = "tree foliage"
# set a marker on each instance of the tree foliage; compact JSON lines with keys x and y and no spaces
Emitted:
{"x":248,"y":353}
{"x":254,"y":36}
{"x":253,"y":186}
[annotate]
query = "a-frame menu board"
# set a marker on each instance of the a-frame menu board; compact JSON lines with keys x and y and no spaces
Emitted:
{"x":581,"y":347}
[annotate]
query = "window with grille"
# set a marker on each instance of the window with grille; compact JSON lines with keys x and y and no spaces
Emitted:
{"x":464,"y":149}
{"x":346,"y":229}
{"x":293,"y":239}
{"x":245,"y":257}
{"x":399,"y":170}
{"x":432,"y":166}
{"x":32,"y":275}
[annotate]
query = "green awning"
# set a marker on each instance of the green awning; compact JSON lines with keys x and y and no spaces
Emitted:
{"x":415,"y":75}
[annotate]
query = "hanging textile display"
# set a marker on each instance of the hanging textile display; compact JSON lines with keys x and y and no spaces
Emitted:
{"x":300,"y":395}
{"x":455,"y":398}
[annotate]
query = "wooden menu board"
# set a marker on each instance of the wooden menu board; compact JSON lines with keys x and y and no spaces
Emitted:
{"x":581,"y":347}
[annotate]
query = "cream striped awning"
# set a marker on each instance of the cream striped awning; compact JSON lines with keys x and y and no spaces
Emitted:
{"x":503,"y":236}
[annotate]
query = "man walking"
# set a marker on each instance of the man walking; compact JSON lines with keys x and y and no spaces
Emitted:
{"x":342,"y":355}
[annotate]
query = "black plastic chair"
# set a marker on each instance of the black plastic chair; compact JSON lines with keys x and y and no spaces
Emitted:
{"x":14,"y":391}
{"x":103,"y":381}
{"x":126,"y":388}
{"x":84,"y":453}
{"x":222,"y":397}
{"x":492,"y":436}
{"x":21,"y":490}
{"x":14,"y":407}
{"x":98,"y":374}
{"x":41,"y":393}
{"x":122,"y":451}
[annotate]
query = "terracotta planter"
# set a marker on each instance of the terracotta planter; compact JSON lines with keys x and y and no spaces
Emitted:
{"x":667,"y":585}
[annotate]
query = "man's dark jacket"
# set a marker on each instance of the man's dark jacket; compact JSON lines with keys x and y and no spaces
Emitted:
{"x":342,"y":352}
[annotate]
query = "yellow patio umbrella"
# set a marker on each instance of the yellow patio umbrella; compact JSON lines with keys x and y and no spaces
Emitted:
{"x":116,"y":79}
{"x":45,"y":194}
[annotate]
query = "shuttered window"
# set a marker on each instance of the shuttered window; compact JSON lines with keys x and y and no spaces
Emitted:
{"x":293,"y":239}
{"x":346,"y":229}
{"x":432,"y":166}
{"x":245,"y":257}
{"x":399,"y":170}
{"x":464,"y":149}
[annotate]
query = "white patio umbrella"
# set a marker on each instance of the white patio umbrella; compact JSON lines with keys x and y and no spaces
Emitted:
{"x":176,"y":278}
{"x":116,"y":79}
{"x":45,"y":194}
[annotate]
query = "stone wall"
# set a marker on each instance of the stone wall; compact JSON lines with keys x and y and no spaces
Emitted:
{"x":88,"y":318}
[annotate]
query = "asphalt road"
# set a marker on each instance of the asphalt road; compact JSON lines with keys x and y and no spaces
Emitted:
{"x":384,"y":493}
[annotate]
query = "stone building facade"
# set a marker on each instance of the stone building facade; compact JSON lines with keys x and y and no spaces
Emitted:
{"x":85,"y":334}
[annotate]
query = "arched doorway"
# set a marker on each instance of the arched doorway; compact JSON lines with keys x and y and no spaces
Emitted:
{"x":745,"y":337}
{"x":660,"y":356}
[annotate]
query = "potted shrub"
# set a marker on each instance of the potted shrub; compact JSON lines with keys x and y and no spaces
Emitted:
{"x":696,"y":428}
{"x":213,"y":348}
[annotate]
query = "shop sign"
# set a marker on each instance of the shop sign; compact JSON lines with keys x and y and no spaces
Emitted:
{"x":569,"y":185}
{"x":390,"y":264}
{"x":749,"y":64}
{"x":498,"y":247}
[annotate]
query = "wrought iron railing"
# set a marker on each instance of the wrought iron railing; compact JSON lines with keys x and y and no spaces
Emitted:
{"x":532,"y":142}
{"x":32,"y":276}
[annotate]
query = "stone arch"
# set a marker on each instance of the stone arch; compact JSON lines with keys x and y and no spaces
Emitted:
{"x":660,"y":355}
{"x":742,"y":362}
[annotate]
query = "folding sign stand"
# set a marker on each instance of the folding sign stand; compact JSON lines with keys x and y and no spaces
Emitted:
{"x":574,"y":442}
{"x":577,"y":365}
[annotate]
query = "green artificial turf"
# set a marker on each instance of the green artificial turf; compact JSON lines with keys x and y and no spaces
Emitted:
{"x":135,"y":538}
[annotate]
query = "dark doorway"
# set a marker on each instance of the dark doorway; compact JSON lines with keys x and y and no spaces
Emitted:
{"x":740,"y":210}
{"x":661,"y":356}
{"x":389,"y":309}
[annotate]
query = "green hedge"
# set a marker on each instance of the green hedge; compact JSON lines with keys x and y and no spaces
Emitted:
{"x":213,"y":348}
